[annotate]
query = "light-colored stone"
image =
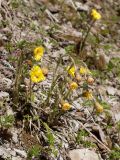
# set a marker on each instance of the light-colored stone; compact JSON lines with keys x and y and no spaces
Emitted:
{"x":83,"y":154}
{"x":13,"y":153}
{"x":9,"y":110}
{"x":15,"y":138}
{"x":4,"y":95}
{"x":21,"y":153}
{"x":16,"y":158}
{"x":111,"y":90}
{"x":116,"y":112}
{"x":7,"y":82}
{"x":4,"y":153}
{"x":14,"y":135}
{"x":82,"y":7}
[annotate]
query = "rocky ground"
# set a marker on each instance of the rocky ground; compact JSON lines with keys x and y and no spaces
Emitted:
{"x":58,"y":25}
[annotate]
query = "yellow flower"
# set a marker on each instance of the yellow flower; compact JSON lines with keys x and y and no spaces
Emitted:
{"x":84,"y":70}
{"x":95,"y":15}
{"x":36,"y":74}
{"x":71,"y":70}
{"x":73,"y":85}
{"x":38,"y":53}
{"x":99,"y":107}
{"x":66,"y":106}
{"x":88,"y":95}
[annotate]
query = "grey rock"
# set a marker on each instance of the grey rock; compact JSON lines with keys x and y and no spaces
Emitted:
{"x":21,"y":153}
{"x":83,"y":154}
{"x":6,"y":145}
{"x":4,"y":153}
{"x":82,"y":7}
{"x":12,"y":153}
{"x":3,"y":37}
{"x":111,"y":90}
{"x":66,"y":59}
{"x":8,"y":65}
{"x":116,"y":112}
{"x":14,"y":136}
{"x":9,"y":110}
{"x":55,"y":55}
{"x":6,"y":83}
{"x":75,"y":125}
{"x":4,"y":95}
{"x":118,"y":92}
{"x":60,"y":158}
{"x":16,"y":158}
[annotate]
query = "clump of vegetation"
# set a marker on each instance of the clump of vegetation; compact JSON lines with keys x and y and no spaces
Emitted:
{"x":7,"y":121}
{"x":33,"y":152}
{"x":72,"y":83}
{"x":68,"y":83}
{"x":51,"y":91}
{"x":115,"y":154}
{"x":81,"y":139}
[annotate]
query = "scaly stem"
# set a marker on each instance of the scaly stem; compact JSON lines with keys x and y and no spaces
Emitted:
{"x":67,"y":94}
{"x":30,"y":90}
{"x":17,"y":79}
{"x":54,"y":80}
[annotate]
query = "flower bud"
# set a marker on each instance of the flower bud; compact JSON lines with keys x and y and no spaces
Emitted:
{"x":99,"y":107}
{"x":45,"y":71}
{"x":78,"y":77}
{"x":71,"y":71}
{"x":90,"y":80}
{"x":88,"y":95}
{"x":66,"y":106}
{"x":95,"y":15}
{"x":73,"y":85}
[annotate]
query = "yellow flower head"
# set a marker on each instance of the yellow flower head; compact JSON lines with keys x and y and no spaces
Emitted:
{"x":99,"y":107}
{"x":66,"y":106}
{"x":73,"y":86}
{"x":71,"y":70}
{"x":84,"y":70}
{"x":36,"y":74}
{"x":88,"y":95}
{"x":38,"y":53}
{"x":95,"y":15}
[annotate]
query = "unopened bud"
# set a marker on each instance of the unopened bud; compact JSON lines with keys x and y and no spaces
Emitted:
{"x":90,"y":80}
{"x":45,"y":71}
{"x":99,"y":107}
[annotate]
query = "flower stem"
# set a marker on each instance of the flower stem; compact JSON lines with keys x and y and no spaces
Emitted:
{"x":82,"y":45}
{"x":17,"y":80}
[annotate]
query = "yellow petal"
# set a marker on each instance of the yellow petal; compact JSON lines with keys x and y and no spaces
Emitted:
{"x":95,"y":15}
{"x":66,"y":106}
{"x":88,"y":95}
{"x":36,"y":74}
{"x":38,"y":53}
{"x":71,"y":71}
{"x":73,"y":86}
